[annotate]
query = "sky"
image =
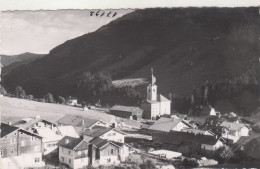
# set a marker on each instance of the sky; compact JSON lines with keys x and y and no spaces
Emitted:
{"x":40,"y":31}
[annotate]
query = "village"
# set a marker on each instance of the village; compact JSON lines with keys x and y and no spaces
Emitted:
{"x":151,"y":133}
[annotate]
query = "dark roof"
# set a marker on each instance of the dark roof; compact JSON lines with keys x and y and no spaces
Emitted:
{"x":72,"y":142}
{"x":77,"y":121}
{"x":97,"y":131}
{"x":98,"y":142}
{"x":7,"y":129}
{"x":183,"y":137}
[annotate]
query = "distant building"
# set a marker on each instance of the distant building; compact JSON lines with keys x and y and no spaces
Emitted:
{"x":188,"y":143}
{"x":73,"y":101}
{"x":156,"y":104}
{"x":75,"y":152}
{"x":107,"y":133}
{"x":108,"y":152}
{"x":165,"y":125}
{"x":129,"y":112}
{"x":80,"y":123}
{"x":20,"y":148}
{"x":235,"y":130}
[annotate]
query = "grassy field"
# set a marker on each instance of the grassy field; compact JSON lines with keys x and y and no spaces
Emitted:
{"x":13,"y":109}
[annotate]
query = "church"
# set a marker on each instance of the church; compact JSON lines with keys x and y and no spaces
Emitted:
{"x":155,"y":104}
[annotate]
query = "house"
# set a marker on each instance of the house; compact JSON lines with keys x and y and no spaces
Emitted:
{"x":20,"y":148}
{"x":208,"y":111}
{"x":74,"y":152}
{"x":156,"y":104}
{"x":165,"y":125}
{"x":235,"y":130}
{"x":188,"y":143}
{"x":73,"y":101}
{"x":32,"y":123}
{"x":51,"y":133}
{"x":108,"y":133}
{"x":79,"y":123}
{"x":109,"y":152}
{"x":129,"y":112}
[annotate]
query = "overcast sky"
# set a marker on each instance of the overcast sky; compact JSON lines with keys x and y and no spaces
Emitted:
{"x":40,"y":31}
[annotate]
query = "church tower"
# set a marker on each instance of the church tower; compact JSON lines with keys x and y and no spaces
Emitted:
{"x":152,"y":89}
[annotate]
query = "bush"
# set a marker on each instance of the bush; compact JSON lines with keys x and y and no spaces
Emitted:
{"x":190,"y":162}
{"x":3,"y":91}
{"x":49,"y":98}
{"x":147,"y":165}
{"x":61,"y":100}
{"x":223,"y":154}
{"x":256,"y":127}
{"x":20,"y":93}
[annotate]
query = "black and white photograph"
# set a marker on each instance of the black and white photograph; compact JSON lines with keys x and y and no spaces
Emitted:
{"x":166,"y":88}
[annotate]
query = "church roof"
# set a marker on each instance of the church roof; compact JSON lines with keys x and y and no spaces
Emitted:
{"x":160,"y":98}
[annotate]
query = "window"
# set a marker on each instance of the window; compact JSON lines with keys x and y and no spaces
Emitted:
{"x":62,"y":159}
{"x":112,"y":151}
{"x":1,"y":153}
{"x":70,"y":161}
{"x":13,"y":140}
{"x":62,"y":149}
{"x":114,"y":134}
{"x":69,"y":152}
{"x":108,"y":160}
{"x":33,"y":138}
{"x":12,"y":151}
{"x":23,"y":143}
{"x":37,"y":160}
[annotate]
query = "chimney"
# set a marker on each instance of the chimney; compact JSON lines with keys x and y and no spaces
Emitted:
{"x":114,"y":125}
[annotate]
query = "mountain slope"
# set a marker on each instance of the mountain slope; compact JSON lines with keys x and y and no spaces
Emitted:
{"x":10,"y":62}
{"x":185,"y":47}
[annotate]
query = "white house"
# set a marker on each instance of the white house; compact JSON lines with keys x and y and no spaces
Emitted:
{"x":156,"y":104}
{"x":236,"y":130}
{"x":106,"y":152}
{"x":107,"y":133}
{"x":73,"y":101}
{"x":74,"y":152}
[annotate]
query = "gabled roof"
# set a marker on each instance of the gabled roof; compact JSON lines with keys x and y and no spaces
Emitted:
{"x":48,"y":134}
{"x":28,"y":122}
{"x":7,"y":129}
{"x":166,"y":124}
{"x":72,"y":142}
{"x":68,"y":131}
{"x":233,"y":126}
{"x":97,"y":131}
{"x":126,"y":108}
{"x":77,"y":121}
{"x":100,"y":143}
{"x":178,"y":138}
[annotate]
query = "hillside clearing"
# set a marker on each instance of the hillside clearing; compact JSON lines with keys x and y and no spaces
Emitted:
{"x":13,"y":109}
{"x":130,"y":82}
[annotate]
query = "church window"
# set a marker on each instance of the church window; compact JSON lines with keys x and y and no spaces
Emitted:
{"x":154,"y":90}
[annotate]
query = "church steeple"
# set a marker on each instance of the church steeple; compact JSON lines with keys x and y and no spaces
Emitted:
{"x":152,"y":88}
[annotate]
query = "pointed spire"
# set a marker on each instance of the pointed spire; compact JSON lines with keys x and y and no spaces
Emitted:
{"x":153,"y":78}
